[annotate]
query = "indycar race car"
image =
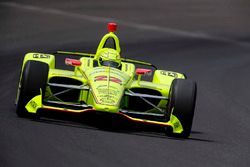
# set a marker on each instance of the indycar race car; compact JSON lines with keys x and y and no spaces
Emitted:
{"x":104,"y":82}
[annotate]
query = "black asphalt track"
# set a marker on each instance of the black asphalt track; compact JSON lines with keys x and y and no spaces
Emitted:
{"x":208,"y":40}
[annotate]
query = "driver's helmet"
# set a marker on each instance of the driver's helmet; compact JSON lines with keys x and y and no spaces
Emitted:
{"x":109,"y":57}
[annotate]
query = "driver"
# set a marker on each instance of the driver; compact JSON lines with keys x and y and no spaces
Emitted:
{"x":109,"y":57}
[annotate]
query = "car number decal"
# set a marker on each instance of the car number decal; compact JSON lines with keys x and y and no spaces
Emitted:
{"x":41,"y":56}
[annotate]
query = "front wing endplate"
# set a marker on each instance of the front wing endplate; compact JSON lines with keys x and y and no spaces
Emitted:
{"x":34,"y":104}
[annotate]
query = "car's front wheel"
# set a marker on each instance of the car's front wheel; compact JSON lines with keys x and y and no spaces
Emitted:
{"x":34,"y":77}
{"x":182,"y":104}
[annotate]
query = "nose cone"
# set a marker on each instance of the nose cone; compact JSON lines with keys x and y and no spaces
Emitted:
{"x":107,"y":87}
{"x":106,"y":108}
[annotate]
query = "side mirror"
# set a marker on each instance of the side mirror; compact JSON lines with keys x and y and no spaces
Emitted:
{"x":142,"y":71}
{"x":73,"y":62}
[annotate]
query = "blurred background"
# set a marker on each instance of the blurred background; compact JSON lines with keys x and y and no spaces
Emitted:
{"x":55,"y":21}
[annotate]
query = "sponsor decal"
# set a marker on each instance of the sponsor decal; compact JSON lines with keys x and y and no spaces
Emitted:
{"x":116,"y":80}
{"x":108,"y":95}
{"x":41,"y":56}
{"x":108,"y":91}
{"x":105,"y":78}
{"x":33,"y":104}
{"x":101,"y":78}
{"x":176,"y":125}
{"x":170,"y":74}
{"x":108,"y":100}
{"x":112,"y":72}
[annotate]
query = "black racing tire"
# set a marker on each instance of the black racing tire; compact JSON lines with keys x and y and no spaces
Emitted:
{"x":34,"y":77}
{"x":182,"y":99}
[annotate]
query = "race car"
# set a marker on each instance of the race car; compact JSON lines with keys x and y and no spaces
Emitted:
{"x":104,"y":82}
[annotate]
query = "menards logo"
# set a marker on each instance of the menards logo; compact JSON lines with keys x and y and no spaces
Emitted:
{"x":105,"y":78}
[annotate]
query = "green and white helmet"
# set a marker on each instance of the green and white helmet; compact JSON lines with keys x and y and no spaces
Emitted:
{"x":109,"y":57}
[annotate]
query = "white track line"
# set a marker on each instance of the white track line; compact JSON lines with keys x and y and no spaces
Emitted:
{"x":139,"y":26}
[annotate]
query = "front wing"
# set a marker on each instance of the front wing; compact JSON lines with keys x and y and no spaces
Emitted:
{"x":36,"y":103}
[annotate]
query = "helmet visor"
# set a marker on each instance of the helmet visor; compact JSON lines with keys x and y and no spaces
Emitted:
{"x":109,"y":63}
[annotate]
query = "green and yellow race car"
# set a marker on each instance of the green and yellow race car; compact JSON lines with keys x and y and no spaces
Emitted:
{"x":105,"y":82}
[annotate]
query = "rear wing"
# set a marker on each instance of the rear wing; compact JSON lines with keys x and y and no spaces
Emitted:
{"x":93,"y":55}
